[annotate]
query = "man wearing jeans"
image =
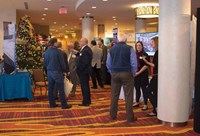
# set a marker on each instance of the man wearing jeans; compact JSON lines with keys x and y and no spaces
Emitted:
{"x":56,"y":67}
{"x":122,"y":64}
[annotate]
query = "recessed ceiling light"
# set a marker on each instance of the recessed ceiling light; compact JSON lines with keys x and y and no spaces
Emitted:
{"x":94,"y":7}
{"x":88,"y":13}
{"x":45,"y":8}
{"x":44,"y":14}
{"x":48,"y":0}
{"x":94,"y":20}
{"x":54,"y":22}
{"x":42,"y":18}
{"x":81,"y":18}
{"x":75,"y":26}
{"x":65,"y":24}
{"x":116,"y":23}
{"x":114,"y":17}
{"x":104,"y":0}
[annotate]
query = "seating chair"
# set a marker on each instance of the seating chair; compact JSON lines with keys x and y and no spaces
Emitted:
{"x":39,"y":80}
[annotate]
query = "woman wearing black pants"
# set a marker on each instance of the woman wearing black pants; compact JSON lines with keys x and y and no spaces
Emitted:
{"x":153,"y":86}
{"x":141,"y":77}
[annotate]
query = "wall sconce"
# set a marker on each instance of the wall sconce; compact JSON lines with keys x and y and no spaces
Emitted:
{"x":147,"y":10}
{"x":66,"y":37}
{"x":73,"y":35}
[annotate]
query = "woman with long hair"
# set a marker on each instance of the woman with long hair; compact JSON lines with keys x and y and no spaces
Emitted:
{"x":153,"y":85}
{"x":141,"y":77}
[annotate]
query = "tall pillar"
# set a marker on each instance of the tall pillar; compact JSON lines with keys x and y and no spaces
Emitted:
{"x":140,"y":25}
{"x":101,"y":30}
{"x":174,"y":92}
{"x":88,"y":28}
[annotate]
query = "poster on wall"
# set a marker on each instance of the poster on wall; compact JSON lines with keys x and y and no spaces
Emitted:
{"x":115,"y":34}
{"x":9,"y":47}
{"x":145,"y":38}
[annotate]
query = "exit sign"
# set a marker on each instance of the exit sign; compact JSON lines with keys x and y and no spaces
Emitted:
{"x":63,"y":10}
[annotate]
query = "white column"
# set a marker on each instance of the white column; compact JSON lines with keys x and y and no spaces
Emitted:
{"x":140,"y":25}
{"x":174,"y":61}
{"x":88,"y":28}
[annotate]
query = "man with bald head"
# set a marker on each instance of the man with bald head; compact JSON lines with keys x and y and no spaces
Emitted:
{"x":84,"y":67}
{"x":122,"y":64}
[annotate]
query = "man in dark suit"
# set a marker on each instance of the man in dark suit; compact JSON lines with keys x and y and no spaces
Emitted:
{"x":84,"y":68}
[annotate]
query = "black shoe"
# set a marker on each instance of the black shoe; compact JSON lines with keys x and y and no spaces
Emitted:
{"x":113,"y":118}
{"x":67,"y":106}
{"x":54,"y":106}
{"x":84,"y":105}
{"x":133,"y":120}
{"x":94,"y":87}
{"x":102,"y":87}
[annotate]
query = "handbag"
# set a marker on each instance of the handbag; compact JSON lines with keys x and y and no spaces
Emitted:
{"x":67,"y":86}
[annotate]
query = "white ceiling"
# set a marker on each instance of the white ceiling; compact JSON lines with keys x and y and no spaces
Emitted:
{"x":102,"y":14}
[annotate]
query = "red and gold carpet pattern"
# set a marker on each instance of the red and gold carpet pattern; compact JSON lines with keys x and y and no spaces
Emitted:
{"x":35,"y":118}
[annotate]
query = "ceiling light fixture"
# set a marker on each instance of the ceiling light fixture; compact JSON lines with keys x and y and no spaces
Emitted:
{"x":42,"y":18}
{"x":88,"y":13}
{"x":114,"y":17}
{"x":146,"y":10}
{"x":55,"y":23}
{"x":48,"y":0}
{"x":44,"y":14}
{"x":65,"y":24}
{"x":45,"y":8}
{"x":94,"y":7}
{"x":104,"y":0}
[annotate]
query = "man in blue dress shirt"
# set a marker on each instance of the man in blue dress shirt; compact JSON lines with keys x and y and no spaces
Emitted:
{"x":56,"y":67}
{"x":122,"y":64}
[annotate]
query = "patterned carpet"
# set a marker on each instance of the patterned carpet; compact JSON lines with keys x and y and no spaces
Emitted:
{"x":35,"y":118}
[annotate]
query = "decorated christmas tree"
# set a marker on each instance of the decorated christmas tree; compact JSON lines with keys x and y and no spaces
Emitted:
{"x":28,"y":50}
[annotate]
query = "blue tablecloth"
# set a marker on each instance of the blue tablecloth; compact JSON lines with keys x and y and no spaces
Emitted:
{"x":15,"y":86}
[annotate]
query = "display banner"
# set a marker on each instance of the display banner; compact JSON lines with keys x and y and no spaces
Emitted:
{"x":193,"y":33}
{"x":115,"y":34}
{"x":9,"y":47}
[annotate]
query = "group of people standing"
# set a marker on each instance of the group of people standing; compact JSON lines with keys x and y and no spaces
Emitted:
{"x":78,"y":64}
{"x":128,"y":69}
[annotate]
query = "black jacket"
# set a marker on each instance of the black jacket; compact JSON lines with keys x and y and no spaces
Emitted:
{"x":84,"y":61}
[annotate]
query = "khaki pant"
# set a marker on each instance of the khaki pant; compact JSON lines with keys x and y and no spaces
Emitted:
{"x":126,"y":80}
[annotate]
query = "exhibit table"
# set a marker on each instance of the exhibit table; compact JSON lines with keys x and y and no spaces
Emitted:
{"x":15,"y":86}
